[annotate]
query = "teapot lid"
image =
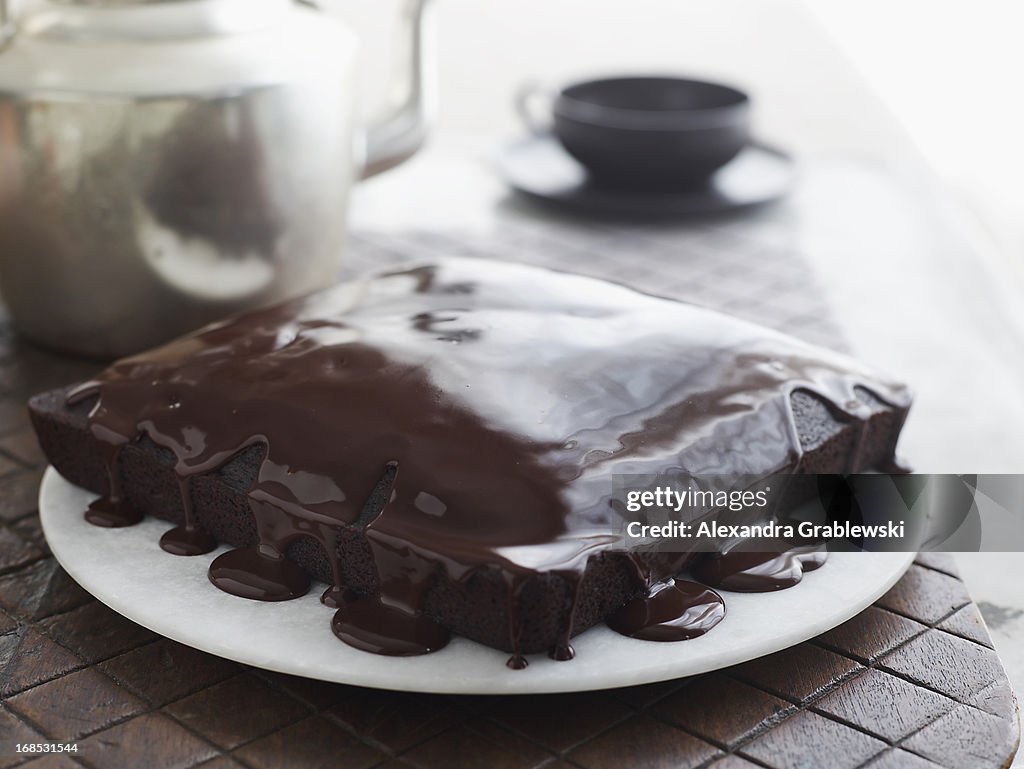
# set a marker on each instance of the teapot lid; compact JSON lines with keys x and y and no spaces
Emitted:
{"x":151,"y":19}
{"x":66,"y":50}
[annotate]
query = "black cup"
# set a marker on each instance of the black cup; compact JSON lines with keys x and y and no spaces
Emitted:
{"x":650,"y":132}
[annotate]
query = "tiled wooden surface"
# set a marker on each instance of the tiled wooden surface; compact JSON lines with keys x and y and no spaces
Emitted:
{"x":912,"y":682}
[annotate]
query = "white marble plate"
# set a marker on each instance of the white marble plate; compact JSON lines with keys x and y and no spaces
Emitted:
{"x":171,"y":595}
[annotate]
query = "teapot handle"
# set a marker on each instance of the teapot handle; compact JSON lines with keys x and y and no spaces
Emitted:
{"x":396,"y":136}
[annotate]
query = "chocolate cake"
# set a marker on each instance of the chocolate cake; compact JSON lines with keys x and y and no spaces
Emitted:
{"x":437,"y":445}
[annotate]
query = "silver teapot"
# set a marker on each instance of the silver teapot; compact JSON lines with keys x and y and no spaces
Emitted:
{"x":167,"y":162}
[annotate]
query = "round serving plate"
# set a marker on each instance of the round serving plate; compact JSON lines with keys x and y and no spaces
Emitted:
{"x":171,"y":595}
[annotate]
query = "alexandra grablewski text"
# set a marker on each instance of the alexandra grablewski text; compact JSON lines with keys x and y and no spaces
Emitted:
{"x":899,"y":512}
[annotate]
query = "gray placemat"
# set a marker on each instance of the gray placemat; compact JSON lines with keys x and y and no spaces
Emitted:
{"x":728,"y":266}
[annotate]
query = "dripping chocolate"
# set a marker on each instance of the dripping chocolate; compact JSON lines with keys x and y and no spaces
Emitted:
{"x":437,"y":444}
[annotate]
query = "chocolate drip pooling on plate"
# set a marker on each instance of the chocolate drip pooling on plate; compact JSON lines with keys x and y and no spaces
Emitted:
{"x":759,"y":572}
{"x":368,"y":623}
{"x":111,"y":510}
{"x":187,"y":539}
{"x":673,"y":610}
{"x":496,"y":400}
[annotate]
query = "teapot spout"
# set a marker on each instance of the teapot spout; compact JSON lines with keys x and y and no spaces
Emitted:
{"x":396,"y":136}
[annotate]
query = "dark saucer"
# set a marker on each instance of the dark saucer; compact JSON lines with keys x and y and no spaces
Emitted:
{"x":539,"y":168}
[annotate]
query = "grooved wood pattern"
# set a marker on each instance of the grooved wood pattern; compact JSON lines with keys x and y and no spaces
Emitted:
{"x":911,"y":682}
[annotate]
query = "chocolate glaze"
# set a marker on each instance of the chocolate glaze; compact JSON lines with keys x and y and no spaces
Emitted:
{"x":367,"y":623}
{"x":673,"y":610}
{"x":187,"y":539}
{"x":496,"y":400}
{"x":253,"y":573}
{"x":563,"y":651}
{"x":517,"y":662}
{"x":112,"y":512}
{"x":749,"y":572}
{"x":184,"y":540}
